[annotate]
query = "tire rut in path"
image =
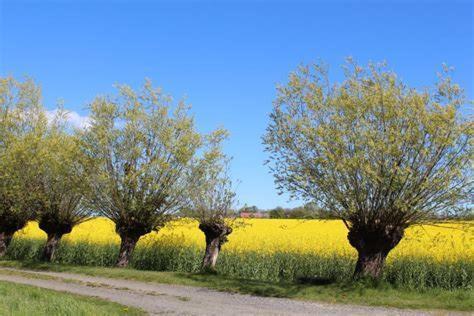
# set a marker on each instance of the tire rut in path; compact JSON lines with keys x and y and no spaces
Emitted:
{"x":157,"y":298}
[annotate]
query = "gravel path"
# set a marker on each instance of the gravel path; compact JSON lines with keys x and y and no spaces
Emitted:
{"x":157,"y":298}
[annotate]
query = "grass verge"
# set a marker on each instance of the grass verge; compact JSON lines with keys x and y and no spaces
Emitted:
{"x":381,"y":294}
{"x":17,"y":299}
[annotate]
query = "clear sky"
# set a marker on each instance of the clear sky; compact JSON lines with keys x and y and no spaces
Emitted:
{"x":226,"y":57}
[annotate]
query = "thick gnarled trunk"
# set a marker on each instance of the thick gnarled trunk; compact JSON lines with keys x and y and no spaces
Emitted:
{"x":373,"y":245}
{"x":5,"y":239}
{"x":212,"y":252}
{"x":216,"y":235}
{"x":51,"y":246}
{"x":370,"y":264}
{"x":130,"y":230}
{"x":55,"y":228}
{"x":127,"y":245}
{"x":9,"y":224}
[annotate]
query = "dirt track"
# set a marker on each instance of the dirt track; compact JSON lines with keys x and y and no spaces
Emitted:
{"x":184,"y":300}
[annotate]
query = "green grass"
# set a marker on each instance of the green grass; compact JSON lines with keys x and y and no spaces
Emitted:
{"x":284,"y":266}
{"x":381,"y":294}
{"x":16,"y":299}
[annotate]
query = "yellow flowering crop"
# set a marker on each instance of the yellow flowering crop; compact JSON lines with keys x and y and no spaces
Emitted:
{"x":450,"y":241}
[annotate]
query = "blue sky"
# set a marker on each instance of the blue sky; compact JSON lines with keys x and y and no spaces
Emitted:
{"x":226,"y":57}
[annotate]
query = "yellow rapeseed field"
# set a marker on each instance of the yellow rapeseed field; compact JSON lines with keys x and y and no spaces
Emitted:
{"x":449,"y":241}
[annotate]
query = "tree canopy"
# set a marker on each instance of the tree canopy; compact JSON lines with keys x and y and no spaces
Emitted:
{"x":62,"y":183}
{"x":23,"y":124}
{"x":211,"y":195}
{"x":371,"y":147}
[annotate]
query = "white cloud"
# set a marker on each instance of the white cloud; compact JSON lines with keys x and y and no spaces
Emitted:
{"x":74,"y":118}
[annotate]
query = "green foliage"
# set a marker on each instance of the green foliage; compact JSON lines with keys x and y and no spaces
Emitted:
{"x":143,"y":154}
{"x":23,"y":124}
{"x":62,"y":180}
{"x":371,"y":149}
{"x":211,"y":195}
{"x":278,"y":212}
{"x":307,"y":211}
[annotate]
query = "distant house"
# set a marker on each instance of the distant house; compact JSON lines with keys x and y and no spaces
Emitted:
{"x":244,"y":214}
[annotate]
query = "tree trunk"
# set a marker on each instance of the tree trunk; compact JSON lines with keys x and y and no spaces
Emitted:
{"x":5,"y":239}
{"x":370,"y":264}
{"x":127,"y":246}
{"x":216,"y":235}
{"x":373,"y":245}
{"x":210,"y":256}
{"x":51,"y":246}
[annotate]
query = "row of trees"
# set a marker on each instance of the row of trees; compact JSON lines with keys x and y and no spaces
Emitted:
{"x":307,"y":211}
{"x":370,"y":151}
{"x":138,"y":162}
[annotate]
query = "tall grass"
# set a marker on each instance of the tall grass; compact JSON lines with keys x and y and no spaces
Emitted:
{"x":413,"y":273}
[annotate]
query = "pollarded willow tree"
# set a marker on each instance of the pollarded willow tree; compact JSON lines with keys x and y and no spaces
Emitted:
{"x":212,"y":199}
{"x":379,"y":155}
{"x":23,"y":124}
{"x":144,"y":151}
{"x":62,"y":184}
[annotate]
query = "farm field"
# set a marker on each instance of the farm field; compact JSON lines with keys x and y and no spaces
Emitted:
{"x":437,"y":255}
{"x":452,"y":241}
